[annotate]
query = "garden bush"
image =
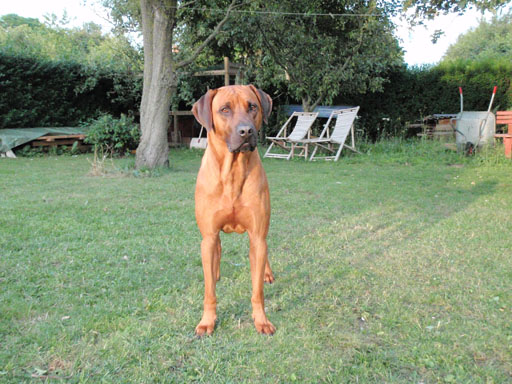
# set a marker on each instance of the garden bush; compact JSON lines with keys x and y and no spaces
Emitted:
{"x":112,"y":134}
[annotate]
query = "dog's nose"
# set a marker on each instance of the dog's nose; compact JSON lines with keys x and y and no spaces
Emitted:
{"x":245,"y":130}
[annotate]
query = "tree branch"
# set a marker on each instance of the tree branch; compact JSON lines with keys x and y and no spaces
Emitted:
{"x":214,"y":33}
{"x":358,"y":44}
{"x":186,"y":4}
{"x":317,"y":101}
{"x":273,"y":52}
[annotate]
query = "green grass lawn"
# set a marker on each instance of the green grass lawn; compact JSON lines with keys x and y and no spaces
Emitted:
{"x":392,"y":266}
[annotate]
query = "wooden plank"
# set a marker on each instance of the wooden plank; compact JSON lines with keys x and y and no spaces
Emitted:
{"x":181,"y":113}
{"x":36,"y":143}
{"x":60,"y":137}
{"x":174,"y":132}
{"x":226,"y":71}
{"x":507,"y":120}
{"x":217,"y":72}
{"x":441,"y":133}
{"x":43,"y":128}
{"x":443,"y":128}
{"x":504,"y":113}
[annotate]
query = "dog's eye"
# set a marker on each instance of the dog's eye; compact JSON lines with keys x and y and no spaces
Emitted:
{"x":253,"y":107}
{"x":224,"y":110}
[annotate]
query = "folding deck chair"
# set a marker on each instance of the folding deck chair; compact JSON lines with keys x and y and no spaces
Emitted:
{"x":329,"y":140}
{"x":292,"y":142}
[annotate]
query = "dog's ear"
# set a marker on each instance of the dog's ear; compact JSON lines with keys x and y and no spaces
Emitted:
{"x":202,"y":109}
{"x":265,"y":101}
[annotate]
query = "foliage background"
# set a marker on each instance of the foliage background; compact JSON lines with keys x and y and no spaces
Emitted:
{"x":54,"y":40}
{"x":490,"y":39}
{"x":51,"y":75}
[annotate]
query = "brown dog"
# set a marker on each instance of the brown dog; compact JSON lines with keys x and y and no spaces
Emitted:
{"x":232,"y":191}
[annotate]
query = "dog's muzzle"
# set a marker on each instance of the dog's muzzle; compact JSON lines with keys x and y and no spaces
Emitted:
{"x":243,"y":139}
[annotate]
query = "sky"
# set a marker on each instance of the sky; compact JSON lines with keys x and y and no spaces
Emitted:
{"x":416,"y":42}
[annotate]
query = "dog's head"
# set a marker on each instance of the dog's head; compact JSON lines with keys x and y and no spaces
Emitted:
{"x":234,"y":113}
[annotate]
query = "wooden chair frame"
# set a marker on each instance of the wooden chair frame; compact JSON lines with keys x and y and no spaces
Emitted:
{"x":334,"y":141}
{"x":505,"y":118}
{"x":292,"y":142}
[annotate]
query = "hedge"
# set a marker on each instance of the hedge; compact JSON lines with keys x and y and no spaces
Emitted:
{"x":36,"y":93}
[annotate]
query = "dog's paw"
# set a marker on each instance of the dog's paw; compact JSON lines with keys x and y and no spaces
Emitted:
{"x":205,"y":327}
{"x":269,"y":277}
{"x":264,"y":327}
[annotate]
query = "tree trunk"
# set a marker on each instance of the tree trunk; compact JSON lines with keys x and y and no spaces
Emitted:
{"x":158,"y":21}
{"x":306,"y":104}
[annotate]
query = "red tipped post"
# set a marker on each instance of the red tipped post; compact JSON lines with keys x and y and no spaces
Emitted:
{"x":492,"y":98}
{"x":461,"y":100}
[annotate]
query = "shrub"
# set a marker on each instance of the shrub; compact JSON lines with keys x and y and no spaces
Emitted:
{"x":113,"y":135}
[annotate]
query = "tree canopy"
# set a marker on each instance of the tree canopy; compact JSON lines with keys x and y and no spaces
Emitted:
{"x":431,"y":8}
{"x":316,"y":49}
{"x":54,"y":40}
{"x":489,"y":40}
{"x":13,"y":20}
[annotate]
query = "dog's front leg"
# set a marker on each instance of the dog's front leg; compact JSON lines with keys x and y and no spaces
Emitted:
{"x":209,"y":249}
{"x":258,"y":260}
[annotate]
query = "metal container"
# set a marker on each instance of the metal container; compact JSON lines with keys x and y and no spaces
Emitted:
{"x":474,"y":128}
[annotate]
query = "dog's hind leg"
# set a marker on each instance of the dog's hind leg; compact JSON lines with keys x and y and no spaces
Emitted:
{"x":269,"y":276}
{"x":258,"y":261}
